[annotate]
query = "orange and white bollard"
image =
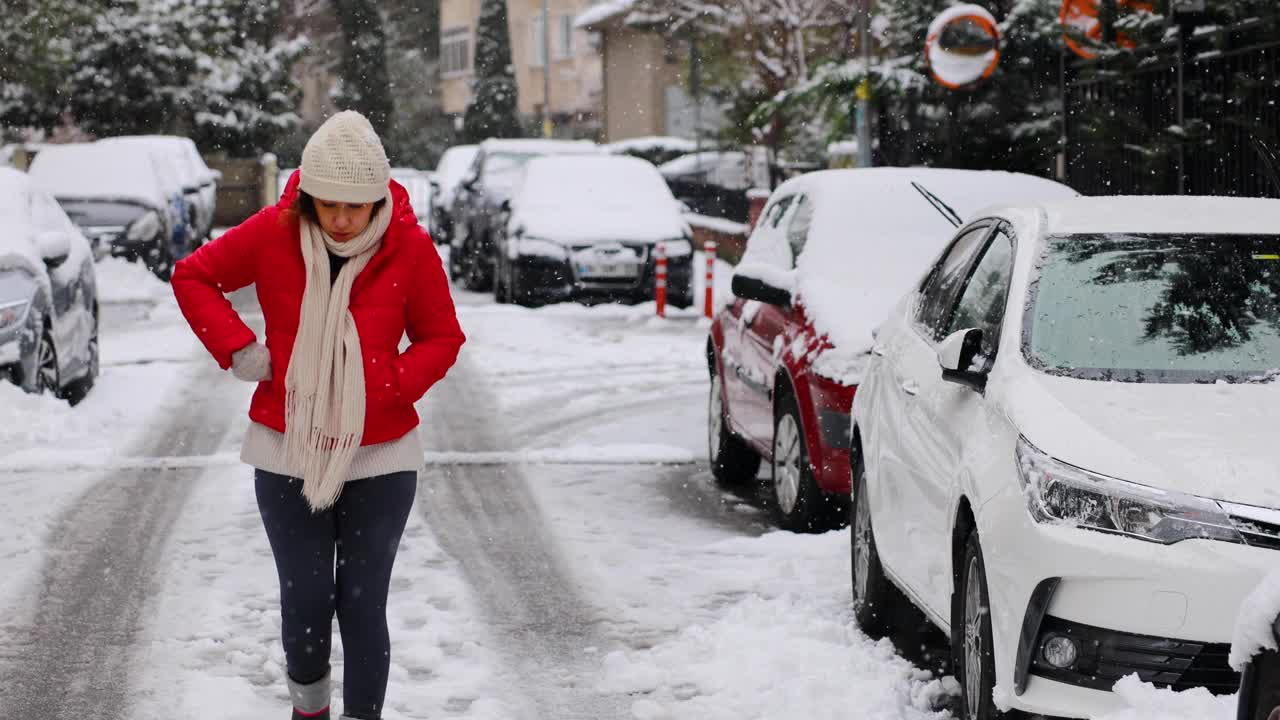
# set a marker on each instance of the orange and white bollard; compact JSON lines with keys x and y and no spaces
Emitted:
{"x":660,"y":279}
{"x":709,"y":249}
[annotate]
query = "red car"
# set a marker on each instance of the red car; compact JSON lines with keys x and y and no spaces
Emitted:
{"x":831,"y":254}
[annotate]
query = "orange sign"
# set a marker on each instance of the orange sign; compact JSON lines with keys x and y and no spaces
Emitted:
{"x":962,"y":46}
{"x":1082,"y":28}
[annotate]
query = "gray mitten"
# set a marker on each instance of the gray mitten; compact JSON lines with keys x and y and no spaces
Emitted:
{"x":252,"y":363}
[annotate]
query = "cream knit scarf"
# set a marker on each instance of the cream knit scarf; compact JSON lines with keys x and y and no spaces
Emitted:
{"x":324,"y":388}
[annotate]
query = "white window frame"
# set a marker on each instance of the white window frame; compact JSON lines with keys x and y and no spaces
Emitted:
{"x":565,"y":41}
{"x":455,"y":51}
{"x":537,"y":56}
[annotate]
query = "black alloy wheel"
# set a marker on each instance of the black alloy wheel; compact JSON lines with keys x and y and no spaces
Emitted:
{"x":47,"y":379}
{"x":79,"y":388}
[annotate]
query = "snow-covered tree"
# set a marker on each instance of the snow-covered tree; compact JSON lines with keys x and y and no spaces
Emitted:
{"x":752,"y":50}
{"x":493,"y":111}
{"x":365,"y":85}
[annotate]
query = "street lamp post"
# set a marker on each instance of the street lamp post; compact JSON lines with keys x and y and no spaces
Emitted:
{"x":864,"y":87}
{"x":546,"y":69}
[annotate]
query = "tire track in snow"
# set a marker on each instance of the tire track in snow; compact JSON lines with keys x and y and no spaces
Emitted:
{"x":487,"y":519}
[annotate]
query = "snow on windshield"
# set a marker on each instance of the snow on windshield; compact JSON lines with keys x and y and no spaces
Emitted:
{"x":606,"y":197}
{"x":99,"y":170}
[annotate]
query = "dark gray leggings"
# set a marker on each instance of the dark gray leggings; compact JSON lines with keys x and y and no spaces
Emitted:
{"x":359,"y":536}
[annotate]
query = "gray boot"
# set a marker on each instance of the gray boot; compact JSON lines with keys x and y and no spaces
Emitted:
{"x":310,"y":701}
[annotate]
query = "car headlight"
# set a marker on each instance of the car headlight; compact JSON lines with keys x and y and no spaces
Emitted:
{"x":145,"y":227}
{"x":678,"y":248}
{"x":541,"y":248}
{"x":1060,"y":493}
{"x":11,"y":313}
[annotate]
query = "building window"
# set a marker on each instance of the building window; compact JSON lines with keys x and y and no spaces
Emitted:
{"x":537,"y":50}
{"x":564,"y":44}
{"x":455,"y":51}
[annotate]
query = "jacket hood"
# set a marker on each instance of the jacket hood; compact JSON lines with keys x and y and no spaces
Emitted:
{"x":401,"y":210}
{"x":1215,"y":441}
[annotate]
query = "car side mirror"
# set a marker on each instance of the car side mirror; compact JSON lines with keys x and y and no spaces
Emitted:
{"x":957,"y":355}
{"x":754,"y":288}
{"x":54,"y":247}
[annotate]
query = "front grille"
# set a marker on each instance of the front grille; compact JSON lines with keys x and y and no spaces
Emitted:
{"x":1106,"y":656}
{"x":1258,"y":533}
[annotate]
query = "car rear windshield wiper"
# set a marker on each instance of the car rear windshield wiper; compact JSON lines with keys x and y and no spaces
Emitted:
{"x":944,"y":209}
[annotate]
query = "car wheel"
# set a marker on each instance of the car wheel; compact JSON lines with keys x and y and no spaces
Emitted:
{"x":798,"y":504}
{"x":972,"y":650}
{"x":733,"y":462}
{"x":160,"y":259}
{"x":474,"y":277}
{"x":47,"y":379}
{"x":875,"y":598}
{"x":501,"y":286}
{"x":79,"y":389}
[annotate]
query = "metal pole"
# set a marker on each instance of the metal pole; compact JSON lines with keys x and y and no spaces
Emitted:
{"x":864,"y":87}
{"x":546,"y":69}
{"x":1066,"y":109}
{"x":1182,"y":111}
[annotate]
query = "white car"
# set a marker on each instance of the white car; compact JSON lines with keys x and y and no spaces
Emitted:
{"x":453,"y":166}
{"x":1064,"y":448}
{"x":417,"y":184}
{"x":199,"y":183}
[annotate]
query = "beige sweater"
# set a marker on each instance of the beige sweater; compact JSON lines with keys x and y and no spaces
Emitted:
{"x":264,"y":449}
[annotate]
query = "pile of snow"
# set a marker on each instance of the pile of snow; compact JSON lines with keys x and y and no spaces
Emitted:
{"x":652,"y":143}
{"x":121,"y":281}
{"x":1144,"y":701}
{"x":720,"y":225}
{"x":1255,"y":629}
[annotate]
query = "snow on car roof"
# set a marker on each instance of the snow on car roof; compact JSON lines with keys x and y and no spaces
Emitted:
{"x":873,"y":235}
{"x":1163,"y":215}
{"x":98,"y":171}
{"x":540,"y":147}
{"x":181,"y":151}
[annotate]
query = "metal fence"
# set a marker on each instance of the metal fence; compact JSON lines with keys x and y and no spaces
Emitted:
{"x":1180,"y":117}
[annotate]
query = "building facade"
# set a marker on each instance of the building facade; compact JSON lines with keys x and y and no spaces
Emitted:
{"x":645,"y":79}
{"x":574,"y":70}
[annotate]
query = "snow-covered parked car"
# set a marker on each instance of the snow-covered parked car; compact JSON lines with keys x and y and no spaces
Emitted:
{"x":588,"y":227}
{"x":199,"y":182}
{"x":123,"y":200}
{"x":477,"y":204}
{"x":418,"y":184}
{"x":1064,"y":448}
{"x":830,"y":255}
{"x":48,"y":294}
{"x":452,"y":167}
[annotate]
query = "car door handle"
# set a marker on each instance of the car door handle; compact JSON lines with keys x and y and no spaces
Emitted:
{"x":910,"y":387}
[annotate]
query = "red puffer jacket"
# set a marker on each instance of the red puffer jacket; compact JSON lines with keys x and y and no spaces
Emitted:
{"x":402,"y":289}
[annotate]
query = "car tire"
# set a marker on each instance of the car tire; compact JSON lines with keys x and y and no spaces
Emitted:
{"x":47,"y":376}
{"x":78,"y":389}
{"x":733,"y":462}
{"x":501,"y":286}
{"x":972,"y":650}
{"x":474,"y":277}
{"x":160,"y":259}
{"x":876,"y":600}
{"x":798,"y":504}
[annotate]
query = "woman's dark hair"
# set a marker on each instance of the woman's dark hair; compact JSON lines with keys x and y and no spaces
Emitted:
{"x":304,"y":206}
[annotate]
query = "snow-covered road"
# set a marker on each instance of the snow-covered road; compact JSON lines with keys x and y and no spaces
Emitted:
{"x":570,"y":556}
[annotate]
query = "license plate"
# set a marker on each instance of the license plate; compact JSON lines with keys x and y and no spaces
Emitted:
{"x":608,"y":270}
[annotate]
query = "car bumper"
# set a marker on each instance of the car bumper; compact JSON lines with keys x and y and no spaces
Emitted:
{"x":550,"y":279}
{"x":1110,"y":589}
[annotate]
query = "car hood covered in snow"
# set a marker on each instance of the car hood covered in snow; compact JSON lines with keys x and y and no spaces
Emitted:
{"x":1212,"y":440}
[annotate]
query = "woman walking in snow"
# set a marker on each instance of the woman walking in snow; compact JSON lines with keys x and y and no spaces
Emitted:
{"x":342,"y":272}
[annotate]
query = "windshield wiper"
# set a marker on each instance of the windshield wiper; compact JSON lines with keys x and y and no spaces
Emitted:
{"x":943,"y":209}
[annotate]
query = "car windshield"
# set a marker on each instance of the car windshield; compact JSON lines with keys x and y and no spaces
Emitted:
{"x":503,"y":169}
{"x":1157,"y":308}
{"x":91,"y":214}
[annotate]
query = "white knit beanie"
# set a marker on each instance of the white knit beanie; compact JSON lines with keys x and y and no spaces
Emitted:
{"x":344,"y":161}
